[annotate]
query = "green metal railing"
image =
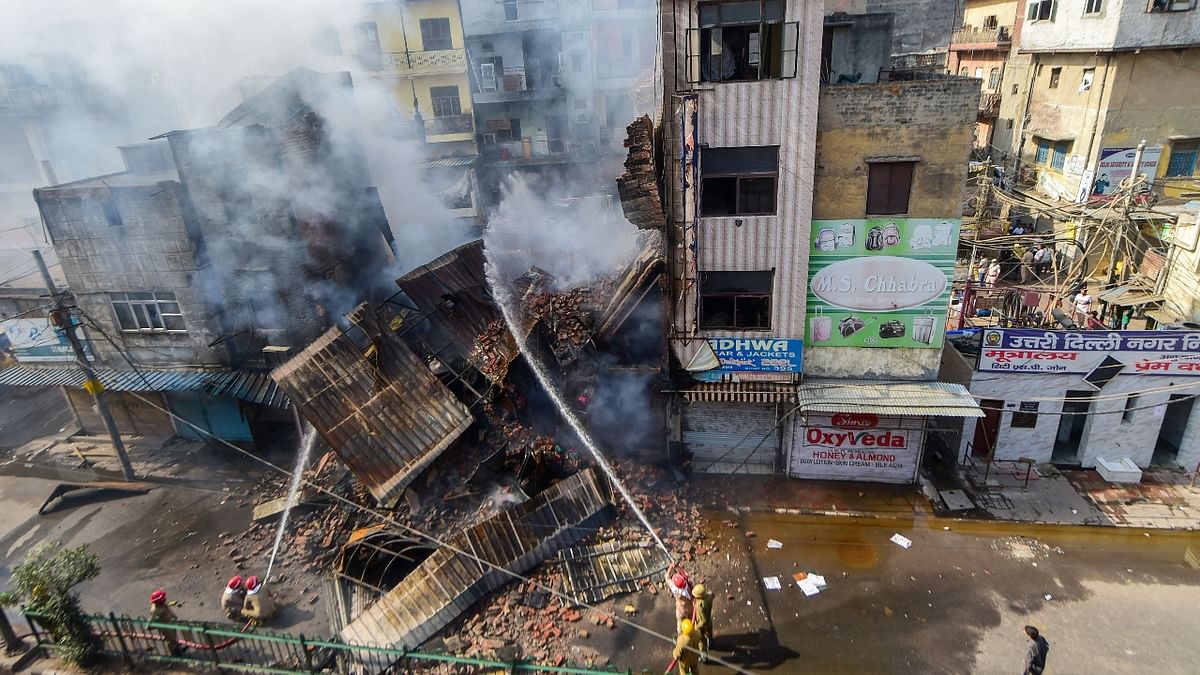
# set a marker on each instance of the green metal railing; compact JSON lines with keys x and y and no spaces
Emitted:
{"x":229,"y":649}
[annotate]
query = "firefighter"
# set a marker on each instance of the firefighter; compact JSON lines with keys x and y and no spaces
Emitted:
{"x":703,"y":619}
{"x":681,"y":588}
{"x":686,"y":646}
{"x":258,"y":606}
{"x":233,"y":599}
{"x":161,"y":613}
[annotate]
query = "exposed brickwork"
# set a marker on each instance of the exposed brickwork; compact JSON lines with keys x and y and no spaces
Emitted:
{"x":638,"y":185}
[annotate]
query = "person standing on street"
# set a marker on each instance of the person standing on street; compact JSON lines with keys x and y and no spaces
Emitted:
{"x":1035,"y":655}
{"x":161,"y":613}
{"x":993,"y":274}
{"x":702,"y":622}
{"x":983,"y":269}
{"x":686,"y":646}
{"x":234,"y":598}
{"x":681,"y":588}
{"x":257,"y":606}
{"x":1027,"y":265}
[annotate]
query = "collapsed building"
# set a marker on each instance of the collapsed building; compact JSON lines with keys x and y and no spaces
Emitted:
{"x":428,"y":401}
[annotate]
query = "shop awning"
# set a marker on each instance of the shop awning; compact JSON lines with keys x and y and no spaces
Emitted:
{"x":939,"y":399}
{"x":741,"y":392}
{"x":1164,"y":317}
{"x":1127,"y":295}
{"x":251,"y":386}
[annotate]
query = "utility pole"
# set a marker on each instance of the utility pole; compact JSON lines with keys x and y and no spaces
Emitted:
{"x":62,"y":319}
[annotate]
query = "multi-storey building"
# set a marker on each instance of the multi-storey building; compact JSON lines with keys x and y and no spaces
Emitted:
{"x":979,"y":49}
{"x":812,"y":232}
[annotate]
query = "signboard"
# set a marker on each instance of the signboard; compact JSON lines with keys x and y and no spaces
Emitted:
{"x":771,"y":355}
{"x":34,"y":340}
{"x":881,"y":452}
{"x":1142,"y":352}
{"x":880,"y":282}
{"x":1116,"y":164}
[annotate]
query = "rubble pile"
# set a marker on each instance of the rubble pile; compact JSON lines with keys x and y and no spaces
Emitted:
{"x":638,"y":185}
{"x":491,"y":351}
{"x":565,"y":322}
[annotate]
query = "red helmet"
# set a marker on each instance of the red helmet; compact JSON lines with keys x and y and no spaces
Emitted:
{"x":680,"y":580}
{"x":158,"y":597}
{"x":251,"y":582}
{"x":235,"y":583}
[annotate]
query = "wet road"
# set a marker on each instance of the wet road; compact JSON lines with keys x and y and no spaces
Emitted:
{"x":28,"y":413}
{"x":955,"y":602}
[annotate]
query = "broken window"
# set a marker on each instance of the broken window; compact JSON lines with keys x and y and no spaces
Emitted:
{"x":744,"y":40}
{"x":889,"y":185}
{"x":435,"y":34}
{"x":445,"y":101}
{"x":366,"y":41}
{"x":736,"y":300}
{"x":147,"y":312}
{"x":738,"y":181}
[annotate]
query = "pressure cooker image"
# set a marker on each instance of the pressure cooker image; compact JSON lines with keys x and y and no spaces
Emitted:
{"x":850,"y":325}
{"x":875,"y":239}
{"x":891,"y":329}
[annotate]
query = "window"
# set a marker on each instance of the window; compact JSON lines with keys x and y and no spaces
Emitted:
{"x":736,"y":300}
{"x":1055,"y":76}
{"x":1170,"y":5}
{"x":366,"y":41}
{"x":147,"y":312}
{"x":510,"y":10}
{"x":435,"y":34}
{"x":1025,"y":416}
{"x":1059,"y":159}
{"x":1130,"y":407}
{"x":964,"y":71}
{"x":994,"y":78}
{"x":1085,"y":82}
{"x":888,"y":187}
{"x":744,"y":41}
{"x":979,"y":72}
{"x":990,"y":21}
{"x":1042,"y":10}
{"x":1014,"y":90}
{"x":505,"y":131}
{"x":1092,"y":6}
{"x":111,"y":215}
{"x":1043,"y":151}
{"x":738,"y":181}
{"x":445,"y":101}
{"x":487,"y":46}
{"x":1183,"y":158}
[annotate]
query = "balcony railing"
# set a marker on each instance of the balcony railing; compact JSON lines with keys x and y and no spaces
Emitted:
{"x":437,"y":62}
{"x":989,"y":104}
{"x":973,"y":35}
{"x":449,"y":124}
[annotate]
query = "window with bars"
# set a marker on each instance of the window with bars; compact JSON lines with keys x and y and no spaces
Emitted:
{"x":1043,"y":151}
{"x":1183,"y":158}
{"x":994,"y":78}
{"x":738,"y":181}
{"x":147,"y":312}
{"x":889,"y":185}
{"x":739,"y":300}
{"x":445,"y":101}
{"x":1059,"y":159}
{"x":435,"y":34}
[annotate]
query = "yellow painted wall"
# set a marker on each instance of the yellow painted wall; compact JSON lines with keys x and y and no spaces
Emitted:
{"x":1066,"y":110}
{"x":1005,"y":12}
{"x":392,"y":30}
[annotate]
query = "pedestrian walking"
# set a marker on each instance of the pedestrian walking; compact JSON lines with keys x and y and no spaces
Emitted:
{"x":1035,"y":655}
{"x":681,"y":588}
{"x":993,"y":274}
{"x":233,"y":599}
{"x":1083,"y":305}
{"x":1039,"y":260}
{"x":702,"y":621}
{"x":686,"y":650}
{"x":1027,"y":265}
{"x":983,"y":269}
{"x":161,"y":613}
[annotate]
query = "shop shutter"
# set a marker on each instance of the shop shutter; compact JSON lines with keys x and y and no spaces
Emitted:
{"x":731,"y":438}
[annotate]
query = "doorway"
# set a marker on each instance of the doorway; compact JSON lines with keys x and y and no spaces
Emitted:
{"x":987,"y":428}
{"x":1170,"y":434}
{"x":1070,"y":427}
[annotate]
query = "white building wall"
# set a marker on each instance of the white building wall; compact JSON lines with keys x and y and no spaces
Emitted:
{"x":1121,"y":24}
{"x":779,"y":112}
{"x":1181,"y":291}
{"x":1105,"y":433}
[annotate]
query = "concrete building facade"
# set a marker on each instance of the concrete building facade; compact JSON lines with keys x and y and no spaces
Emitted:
{"x":980,"y":49}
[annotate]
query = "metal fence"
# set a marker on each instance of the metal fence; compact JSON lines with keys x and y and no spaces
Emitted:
{"x":229,"y":649}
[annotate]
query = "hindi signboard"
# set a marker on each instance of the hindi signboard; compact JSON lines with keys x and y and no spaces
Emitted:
{"x":1144,"y":352}
{"x":880,"y":282}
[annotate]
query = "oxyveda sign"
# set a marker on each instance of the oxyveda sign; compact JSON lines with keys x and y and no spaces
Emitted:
{"x":825,"y":449}
{"x":880,"y":282}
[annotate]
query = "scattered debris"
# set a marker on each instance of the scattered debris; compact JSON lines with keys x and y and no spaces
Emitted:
{"x":901,"y":540}
{"x":772,"y":583}
{"x":774,"y":544}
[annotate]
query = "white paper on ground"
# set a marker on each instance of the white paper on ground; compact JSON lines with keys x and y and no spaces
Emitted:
{"x":818,"y":580}
{"x":901,"y":540}
{"x":772,"y":543}
{"x":772,"y":583}
{"x":810,"y":589}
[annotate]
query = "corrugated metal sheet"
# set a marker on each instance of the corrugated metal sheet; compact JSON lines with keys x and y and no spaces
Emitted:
{"x":453,"y":298}
{"x":939,"y":399}
{"x":446,"y":162}
{"x":595,"y":573}
{"x":731,"y":438}
{"x":252,"y":386}
{"x":741,"y":392}
{"x":376,"y":403}
{"x":447,"y":582}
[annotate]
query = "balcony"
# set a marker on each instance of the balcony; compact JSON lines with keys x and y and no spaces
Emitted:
{"x":989,"y":105}
{"x":970,"y":37}
{"x":449,"y":124}
{"x":437,"y":62}
{"x":516,"y":85}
